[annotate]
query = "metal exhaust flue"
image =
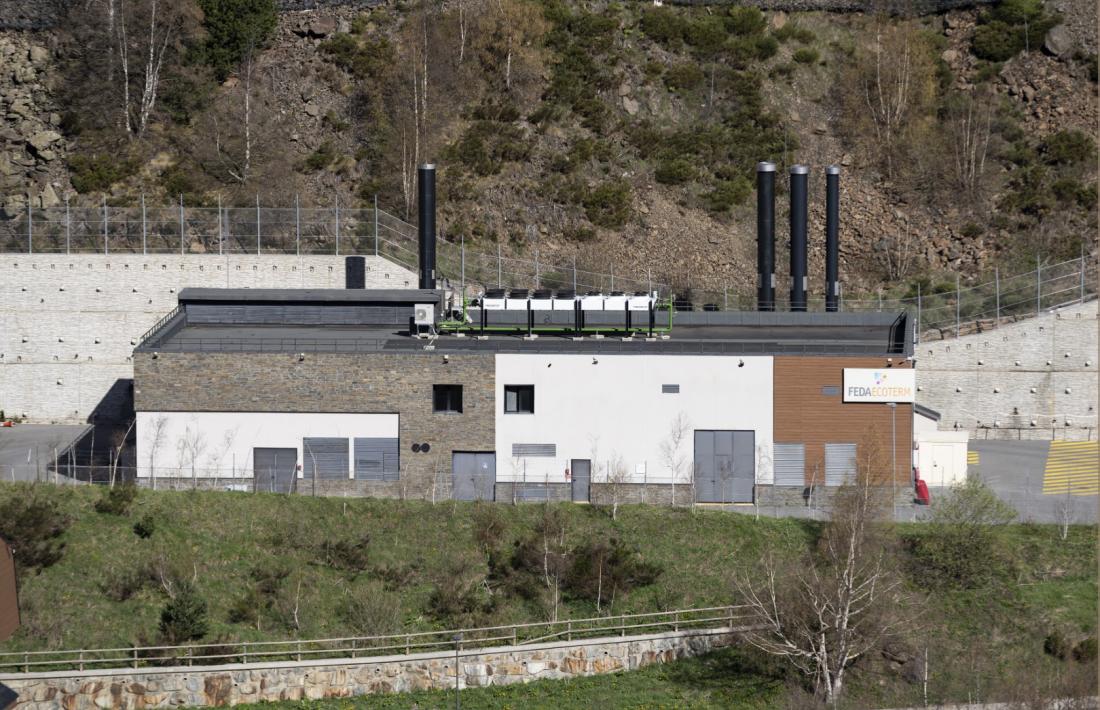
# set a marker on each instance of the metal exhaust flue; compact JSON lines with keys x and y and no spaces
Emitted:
{"x":765,"y":236}
{"x":799,"y":252}
{"x":425,"y":199}
{"x":832,"y":238}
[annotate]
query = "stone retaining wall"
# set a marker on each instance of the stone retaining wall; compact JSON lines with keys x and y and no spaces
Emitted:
{"x":255,"y":682}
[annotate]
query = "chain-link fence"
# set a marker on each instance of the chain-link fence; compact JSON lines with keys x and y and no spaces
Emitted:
{"x":945,"y":312}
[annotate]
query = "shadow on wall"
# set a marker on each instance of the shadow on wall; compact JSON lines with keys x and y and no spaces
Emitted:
{"x":110,"y":419}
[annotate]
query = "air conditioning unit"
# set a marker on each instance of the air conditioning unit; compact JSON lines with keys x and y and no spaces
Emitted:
{"x":424,"y":314}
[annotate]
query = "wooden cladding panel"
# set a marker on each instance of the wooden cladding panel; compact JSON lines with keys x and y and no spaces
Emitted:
{"x":807,"y":411}
{"x":9,"y":602}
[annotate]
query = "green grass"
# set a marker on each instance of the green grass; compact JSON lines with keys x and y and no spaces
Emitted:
{"x":718,"y":680}
{"x":413,"y":550}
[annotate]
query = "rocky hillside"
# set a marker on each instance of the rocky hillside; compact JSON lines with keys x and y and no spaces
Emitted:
{"x":621,"y":135}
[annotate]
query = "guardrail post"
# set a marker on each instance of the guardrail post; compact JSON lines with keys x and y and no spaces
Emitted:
{"x":135,"y":658}
{"x":26,"y":662}
{"x":569,"y":630}
{"x":729,"y":616}
{"x":299,"y":650}
{"x":515,"y":640}
{"x":408,"y":644}
{"x":676,"y":621}
{"x":622,"y":625}
{"x":191,"y":653}
{"x":244,"y":653}
{"x":80,"y":660}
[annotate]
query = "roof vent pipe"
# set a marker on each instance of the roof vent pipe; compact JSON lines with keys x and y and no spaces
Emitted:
{"x":355,"y":272}
{"x":832,"y":238}
{"x":425,"y":199}
{"x":800,"y":175}
{"x":765,"y":236}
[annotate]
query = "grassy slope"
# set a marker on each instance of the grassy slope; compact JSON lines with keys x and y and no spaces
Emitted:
{"x":993,"y":633}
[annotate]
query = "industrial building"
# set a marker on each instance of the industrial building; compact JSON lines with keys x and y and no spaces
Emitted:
{"x":528,"y":396}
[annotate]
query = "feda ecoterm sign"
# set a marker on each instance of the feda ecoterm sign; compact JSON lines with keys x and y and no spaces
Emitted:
{"x":879,"y":385}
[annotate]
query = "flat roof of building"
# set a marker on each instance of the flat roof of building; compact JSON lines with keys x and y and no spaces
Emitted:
{"x":282,"y":330}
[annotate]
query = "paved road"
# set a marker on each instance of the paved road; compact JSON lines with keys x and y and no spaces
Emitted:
{"x":1016,"y":470}
{"x":27,"y":449}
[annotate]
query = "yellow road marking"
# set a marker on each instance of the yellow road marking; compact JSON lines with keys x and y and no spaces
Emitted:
{"x":1072,"y":467}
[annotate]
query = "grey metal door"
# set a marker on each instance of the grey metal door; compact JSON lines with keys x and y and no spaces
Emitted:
{"x":325,"y":457}
{"x":582,"y":479}
{"x":376,"y":459}
{"x":790,"y":465}
{"x":840,"y":464}
{"x":725,"y":466}
{"x":473,"y":475}
{"x":274,"y":469}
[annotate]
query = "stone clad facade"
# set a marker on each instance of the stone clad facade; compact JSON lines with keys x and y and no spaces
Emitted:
{"x":338,"y":382}
{"x":313,"y":680}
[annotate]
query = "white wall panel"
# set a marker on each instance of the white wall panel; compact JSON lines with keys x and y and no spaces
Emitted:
{"x":611,"y":406}
{"x":226,"y":439}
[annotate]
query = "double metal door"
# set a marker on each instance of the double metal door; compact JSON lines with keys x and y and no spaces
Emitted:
{"x":725,"y":466}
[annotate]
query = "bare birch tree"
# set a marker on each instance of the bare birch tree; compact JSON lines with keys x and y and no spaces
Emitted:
{"x":823,"y":612}
{"x":617,"y":481}
{"x":156,"y":438}
{"x":672,"y":448}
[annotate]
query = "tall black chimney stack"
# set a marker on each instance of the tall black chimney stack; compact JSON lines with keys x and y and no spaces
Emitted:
{"x":832,"y":238}
{"x":425,"y":199}
{"x":765,"y":236}
{"x":799,"y":177}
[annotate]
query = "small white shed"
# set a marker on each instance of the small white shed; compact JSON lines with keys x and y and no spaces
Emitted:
{"x":940,"y":456}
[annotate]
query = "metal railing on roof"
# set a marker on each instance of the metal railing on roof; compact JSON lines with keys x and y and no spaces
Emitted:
{"x":358,"y":647}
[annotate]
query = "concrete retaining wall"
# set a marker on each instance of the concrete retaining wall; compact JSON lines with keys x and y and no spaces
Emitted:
{"x":1036,"y":379}
{"x":255,"y":682}
{"x":68,"y":324}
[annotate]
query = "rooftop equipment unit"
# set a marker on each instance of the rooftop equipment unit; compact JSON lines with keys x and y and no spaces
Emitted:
{"x":592,"y":301}
{"x":425,"y":229}
{"x":765,"y":236}
{"x":517,"y":299}
{"x":832,"y":238}
{"x":640,"y":301}
{"x":615,"y":301}
{"x":565,"y":301}
{"x":424,"y":314}
{"x":493,"y":300}
{"x":800,"y":175}
{"x":542,"y":300}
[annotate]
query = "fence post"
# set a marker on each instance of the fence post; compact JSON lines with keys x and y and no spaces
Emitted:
{"x":958,"y":312}
{"x":105,"y":248}
{"x":297,"y":228}
{"x":182,"y":225}
{"x":68,"y":226}
{"x":376,"y":224}
{"x":462,"y":251}
{"x":144,"y":250}
{"x":725,"y":298}
{"x":918,"y":309}
{"x":612,"y":276}
{"x":258,"y":242}
{"x":1038,"y":285}
{"x":574,"y":274}
{"x":219,"y":223}
{"x":1082,"y":272}
{"x":997,"y":291}
{"x":338,"y":225}
{"x":498,"y":267}
{"x":536,"y":268}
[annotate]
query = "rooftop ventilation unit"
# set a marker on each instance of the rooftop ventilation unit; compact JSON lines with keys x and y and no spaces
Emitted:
{"x":542,"y":300}
{"x":640,"y":301}
{"x":592,"y":301}
{"x":517,"y":299}
{"x":616,"y":301}
{"x":424,"y":314}
{"x":494,"y":299}
{"x":565,"y":301}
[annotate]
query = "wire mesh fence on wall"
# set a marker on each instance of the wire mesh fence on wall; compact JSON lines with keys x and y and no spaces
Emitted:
{"x":948,"y":311}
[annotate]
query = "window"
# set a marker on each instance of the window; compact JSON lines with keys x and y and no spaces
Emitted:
{"x":519,"y":399}
{"x":524,"y":450}
{"x":447,"y":398}
{"x":670,"y":389}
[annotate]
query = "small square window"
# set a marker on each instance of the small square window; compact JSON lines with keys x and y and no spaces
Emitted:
{"x":447,"y":399}
{"x":519,"y":399}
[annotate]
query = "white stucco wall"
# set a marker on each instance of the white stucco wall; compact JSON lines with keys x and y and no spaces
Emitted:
{"x":227,"y":438}
{"x":941,"y":457}
{"x":610,"y":406}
